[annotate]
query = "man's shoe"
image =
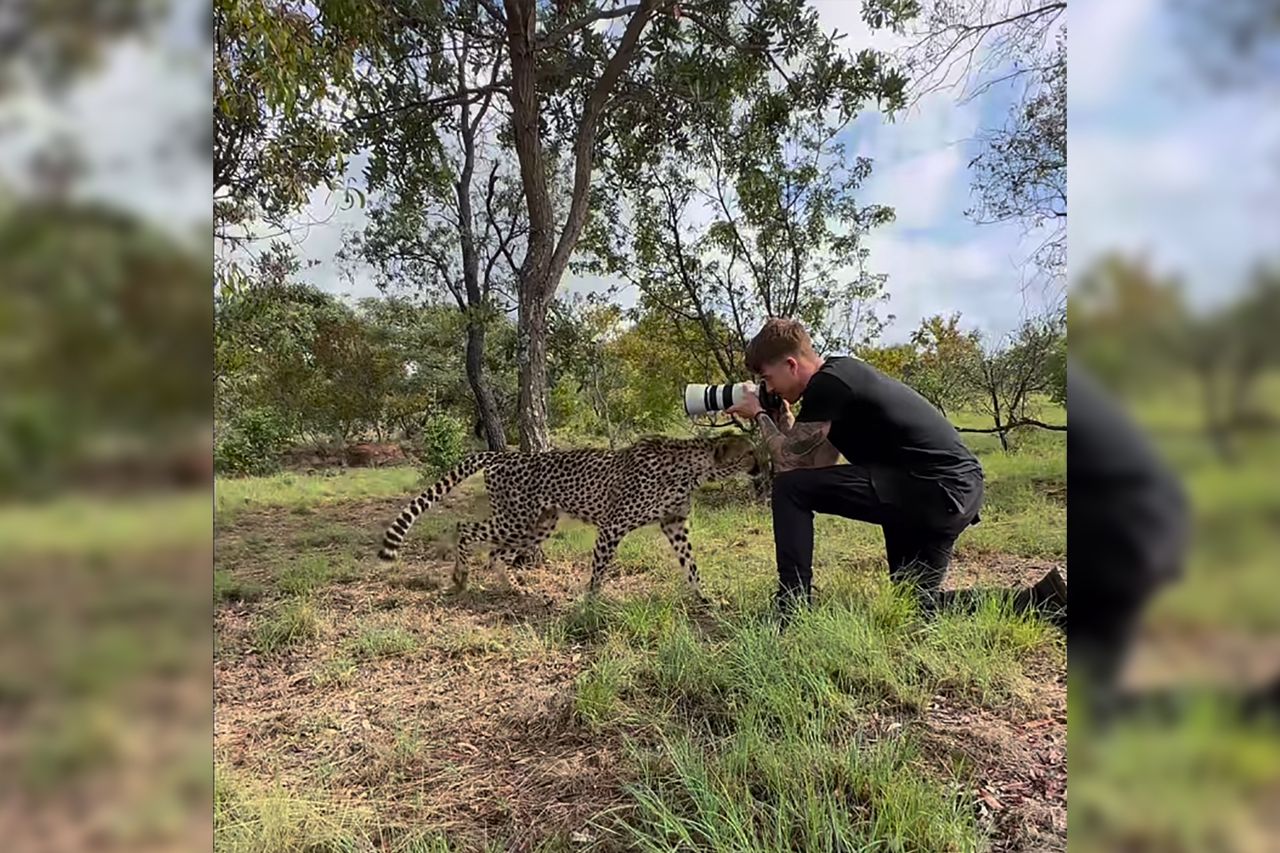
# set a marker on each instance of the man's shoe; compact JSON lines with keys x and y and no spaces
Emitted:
{"x":788,"y":602}
{"x":1049,"y":596}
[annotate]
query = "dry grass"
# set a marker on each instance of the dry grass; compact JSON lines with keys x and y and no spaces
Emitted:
{"x":503,"y":717}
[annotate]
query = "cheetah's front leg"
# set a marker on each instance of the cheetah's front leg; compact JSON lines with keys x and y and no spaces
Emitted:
{"x":677,"y":530}
{"x":607,"y":539}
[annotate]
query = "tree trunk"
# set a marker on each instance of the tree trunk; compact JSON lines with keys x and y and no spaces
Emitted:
{"x":1217,"y":430}
{"x":547,"y":258}
{"x":475,"y":307}
{"x":494,"y":435}
{"x":531,"y":360}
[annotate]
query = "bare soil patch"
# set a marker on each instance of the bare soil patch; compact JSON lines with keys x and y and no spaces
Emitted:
{"x":472,"y":731}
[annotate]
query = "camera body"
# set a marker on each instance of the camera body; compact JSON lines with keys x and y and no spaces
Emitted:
{"x":705,"y":399}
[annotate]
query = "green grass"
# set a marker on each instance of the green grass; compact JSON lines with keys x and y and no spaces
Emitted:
{"x":378,"y":641}
{"x":80,"y":526}
{"x":763,"y":792}
{"x":741,"y":738}
{"x":309,"y":572}
{"x":253,"y":818}
{"x":250,"y":816}
{"x":754,"y":735}
{"x":228,"y":588}
{"x":1230,"y":576}
{"x":288,"y":623}
{"x":1204,"y":782}
{"x":338,"y":671}
{"x":311,"y":490}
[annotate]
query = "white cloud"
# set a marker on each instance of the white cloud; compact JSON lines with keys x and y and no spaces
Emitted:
{"x":918,"y":188}
{"x":845,"y":16}
{"x":127,"y":120}
{"x":978,"y":278}
{"x":1199,"y":198}
{"x":1104,"y":37}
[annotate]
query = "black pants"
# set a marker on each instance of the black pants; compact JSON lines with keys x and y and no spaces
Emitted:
{"x":920,"y":521}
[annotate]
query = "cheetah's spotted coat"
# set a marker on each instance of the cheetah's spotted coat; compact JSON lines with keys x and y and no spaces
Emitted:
{"x":617,"y":491}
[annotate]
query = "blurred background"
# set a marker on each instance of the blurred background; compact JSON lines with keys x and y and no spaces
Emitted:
{"x":105,"y":471}
{"x":1174,"y":308}
{"x":106,"y":356}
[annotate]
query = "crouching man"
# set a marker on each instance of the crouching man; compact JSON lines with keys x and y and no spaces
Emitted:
{"x":908,"y":470}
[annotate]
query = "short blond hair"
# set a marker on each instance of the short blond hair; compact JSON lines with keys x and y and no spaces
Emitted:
{"x":780,"y":338}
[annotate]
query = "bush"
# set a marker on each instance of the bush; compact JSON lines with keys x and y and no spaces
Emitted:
{"x":251,"y":443}
{"x":37,"y":438}
{"x":444,"y":440}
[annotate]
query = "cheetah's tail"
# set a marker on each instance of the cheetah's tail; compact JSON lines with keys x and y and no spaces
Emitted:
{"x":394,"y":537}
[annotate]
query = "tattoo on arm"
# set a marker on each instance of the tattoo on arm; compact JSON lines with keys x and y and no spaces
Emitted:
{"x":804,"y":446}
{"x":786,"y":422}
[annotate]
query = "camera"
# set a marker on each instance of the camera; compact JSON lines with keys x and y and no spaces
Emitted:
{"x":704,"y":399}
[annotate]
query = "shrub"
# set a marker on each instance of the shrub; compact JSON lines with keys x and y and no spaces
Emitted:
{"x":251,"y":442}
{"x":444,"y":440}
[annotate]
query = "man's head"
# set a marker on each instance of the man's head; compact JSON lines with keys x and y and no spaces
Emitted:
{"x":783,"y":356}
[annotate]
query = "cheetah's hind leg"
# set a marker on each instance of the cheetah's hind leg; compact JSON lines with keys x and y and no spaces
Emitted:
{"x":470,"y":533}
{"x":523,"y":552}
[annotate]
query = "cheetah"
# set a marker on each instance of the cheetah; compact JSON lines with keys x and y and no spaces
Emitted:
{"x":617,"y":491}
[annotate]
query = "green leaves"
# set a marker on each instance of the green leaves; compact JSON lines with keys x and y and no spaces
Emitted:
{"x":285,"y":75}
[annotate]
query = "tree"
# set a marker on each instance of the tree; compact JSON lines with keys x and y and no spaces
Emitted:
{"x":1019,"y":173}
{"x":944,"y":361}
{"x":552,"y":238}
{"x":626,"y":366}
{"x":433,"y":378}
{"x":1233,"y":43}
{"x":51,"y":44}
{"x":896,"y":360}
{"x":572,"y":71}
{"x":284,"y":74}
{"x":1125,"y":320}
{"x":581,"y":346}
{"x":448,"y":216}
{"x":1009,"y":378}
{"x":105,"y":322}
{"x":1228,"y":350}
{"x":753,"y":212}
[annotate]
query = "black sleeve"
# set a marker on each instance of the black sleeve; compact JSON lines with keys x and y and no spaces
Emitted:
{"x":823,"y":399}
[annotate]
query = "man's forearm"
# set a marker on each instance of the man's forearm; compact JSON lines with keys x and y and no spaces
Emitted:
{"x":802,"y":446}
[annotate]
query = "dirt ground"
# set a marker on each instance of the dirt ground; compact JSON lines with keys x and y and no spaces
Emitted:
{"x":474,"y":733}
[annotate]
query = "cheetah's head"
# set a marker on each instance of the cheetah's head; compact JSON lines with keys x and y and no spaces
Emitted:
{"x":733,"y":454}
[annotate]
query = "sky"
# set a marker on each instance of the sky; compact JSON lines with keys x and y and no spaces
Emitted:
{"x":937,"y":261}
{"x":1160,"y":167}
{"x":1187,"y":179}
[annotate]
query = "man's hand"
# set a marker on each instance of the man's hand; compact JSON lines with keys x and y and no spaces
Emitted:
{"x":784,"y":419}
{"x":748,"y":407}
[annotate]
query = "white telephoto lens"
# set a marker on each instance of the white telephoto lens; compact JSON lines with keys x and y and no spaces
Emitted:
{"x":704,"y":399}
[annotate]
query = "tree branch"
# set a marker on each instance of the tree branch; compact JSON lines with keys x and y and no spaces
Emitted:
{"x":585,"y":141}
{"x":466,"y":96}
{"x":1012,"y":424}
{"x":583,"y":22}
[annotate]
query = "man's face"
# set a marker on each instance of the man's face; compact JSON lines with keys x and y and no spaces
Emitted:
{"x":786,"y":377}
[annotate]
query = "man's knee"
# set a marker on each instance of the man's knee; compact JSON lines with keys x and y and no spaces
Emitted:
{"x":788,"y":484}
